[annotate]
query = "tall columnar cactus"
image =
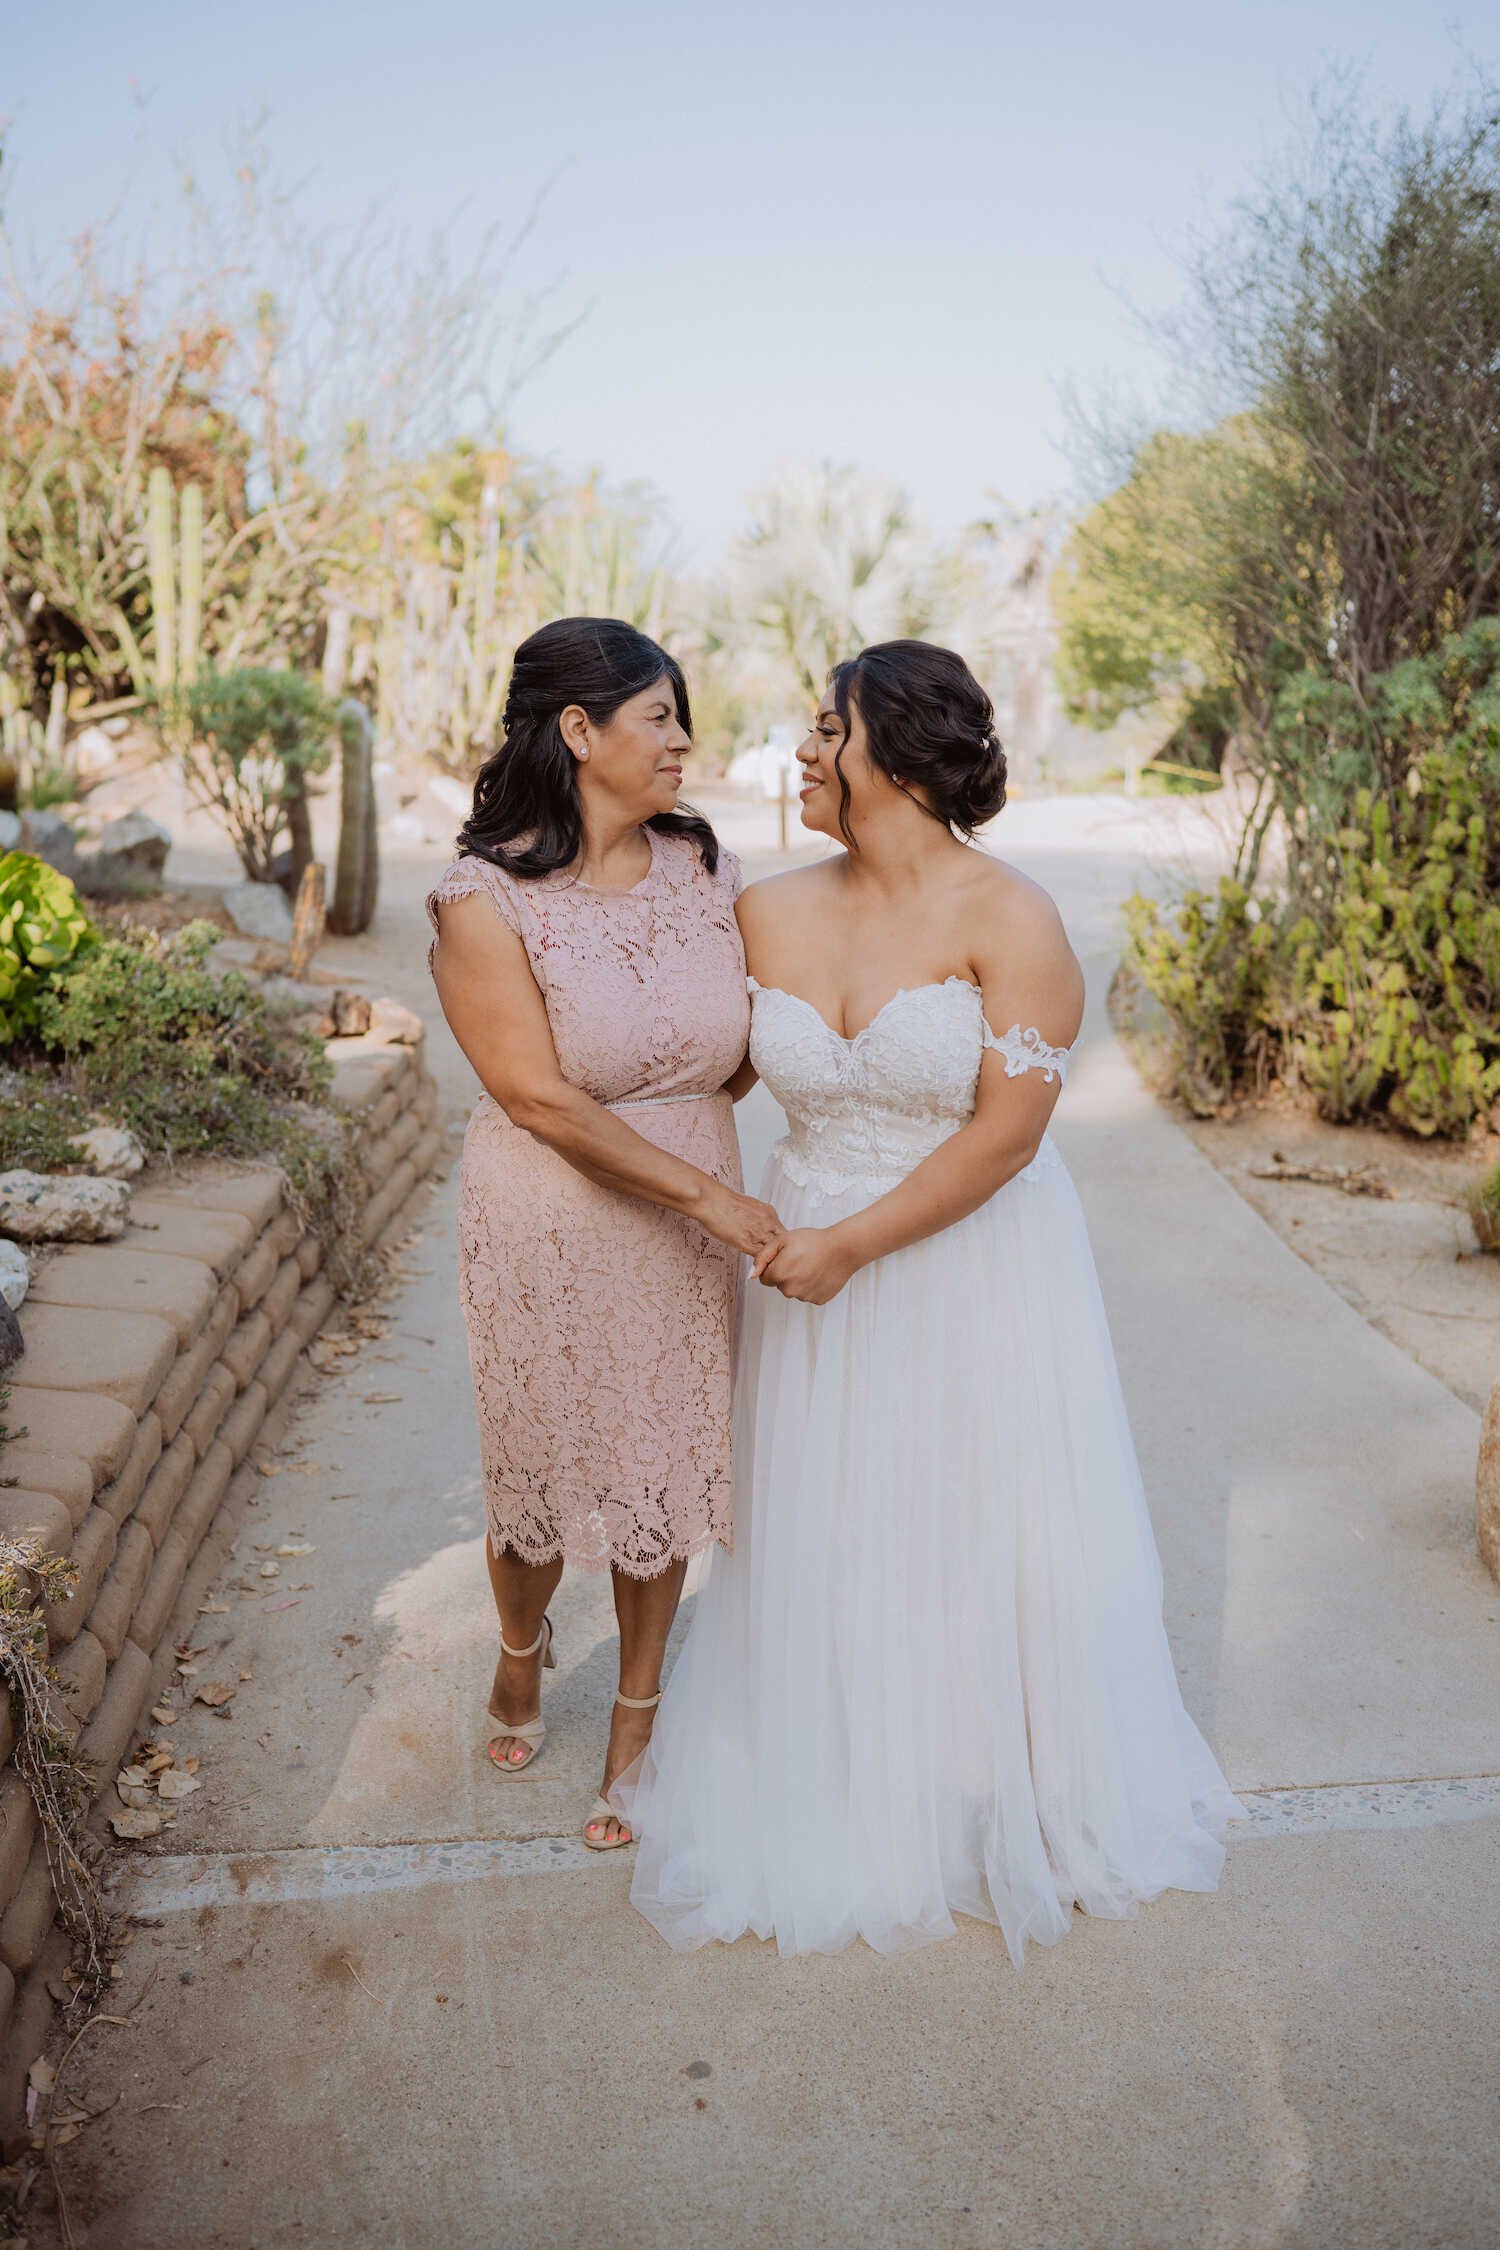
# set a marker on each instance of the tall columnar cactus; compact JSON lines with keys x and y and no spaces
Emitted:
{"x":160,"y":562}
{"x":357,"y":875}
{"x":190,"y":612}
{"x":174,"y":554}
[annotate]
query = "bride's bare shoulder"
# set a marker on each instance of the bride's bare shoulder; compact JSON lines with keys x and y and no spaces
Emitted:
{"x":1009,"y":902}
{"x":795,"y":892}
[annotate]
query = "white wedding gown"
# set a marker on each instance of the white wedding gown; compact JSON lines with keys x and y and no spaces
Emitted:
{"x":931,"y":1679}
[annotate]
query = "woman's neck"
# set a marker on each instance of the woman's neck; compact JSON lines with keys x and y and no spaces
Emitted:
{"x":898,"y":852}
{"x":612,"y":850}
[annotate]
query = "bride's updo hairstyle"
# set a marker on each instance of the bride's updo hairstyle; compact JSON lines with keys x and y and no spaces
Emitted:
{"x":526,"y":816}
{"x":929,"y":726}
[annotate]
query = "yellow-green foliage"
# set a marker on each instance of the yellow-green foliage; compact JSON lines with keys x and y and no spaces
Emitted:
{"x":43,"y":932}
{"x":1213,"y":966}
{"x":1387,"y":998}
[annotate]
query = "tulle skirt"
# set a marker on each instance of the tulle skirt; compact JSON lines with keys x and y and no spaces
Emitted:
{"x":932,"y":1677}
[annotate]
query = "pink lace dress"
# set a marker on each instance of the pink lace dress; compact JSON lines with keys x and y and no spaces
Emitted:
{"x":599,"y":1325}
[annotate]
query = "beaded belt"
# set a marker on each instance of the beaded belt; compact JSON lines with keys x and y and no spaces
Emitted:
{"x":660,"y":1101}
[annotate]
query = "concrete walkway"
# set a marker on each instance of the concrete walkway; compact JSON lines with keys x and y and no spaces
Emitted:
{"x":396,"y":2004}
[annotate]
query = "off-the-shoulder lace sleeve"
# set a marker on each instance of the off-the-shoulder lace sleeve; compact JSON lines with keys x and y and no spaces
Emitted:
{"x":1027,"y":1050}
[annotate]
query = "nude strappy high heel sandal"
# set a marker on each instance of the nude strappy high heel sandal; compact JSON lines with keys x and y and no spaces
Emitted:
{"x":602,"y":1808}
{"x":525,"y":1730}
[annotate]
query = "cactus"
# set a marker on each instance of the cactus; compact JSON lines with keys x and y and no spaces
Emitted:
{"x":357,"y":874}
{"x":190,"y":611}
{"x":176,"y":571}
{"x":159,"y":559}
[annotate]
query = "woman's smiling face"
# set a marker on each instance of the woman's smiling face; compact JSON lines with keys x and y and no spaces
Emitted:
{"x":636,"y":757}
{"x":818,"y":756}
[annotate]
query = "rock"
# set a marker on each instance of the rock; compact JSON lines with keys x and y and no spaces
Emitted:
{"x":48,"y":836}
{"x":351,"y":1013}
{"x":96,"y":749}
{"x":12,"y":1342}
{"x":110,"y":1152}
{"x":36,"y":1208}
{"x":260,"y":910}
{"x":10,"y":832}
{"x":396,"y":1024}
{"x":136,"y":844}
{"x":1487,"y":1487}
{"x":15,"y":1275}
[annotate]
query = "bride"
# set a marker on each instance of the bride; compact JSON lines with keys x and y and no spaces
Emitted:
{"x":932,"y":1677}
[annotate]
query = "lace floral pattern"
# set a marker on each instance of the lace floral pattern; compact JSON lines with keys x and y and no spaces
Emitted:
{"x":599,"y":1326}
{"x":865,"y":1111}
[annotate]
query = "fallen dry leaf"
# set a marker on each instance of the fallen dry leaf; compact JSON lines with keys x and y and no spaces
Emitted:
{"x":131,"y":1826}
{"x":173,"y":1785}
{"x":132,"y":1777}
{"x":299,"y":1547}
{"x":133,"y":1794}
{"x":213,"y":1609}
{"x":160,"y":1762}
{"x":382,"y":1398}
{"x":163,"y":1716}
{"x":270,"y":1570}
{"x":215,"y":1692}
{"x":42,"y":2075}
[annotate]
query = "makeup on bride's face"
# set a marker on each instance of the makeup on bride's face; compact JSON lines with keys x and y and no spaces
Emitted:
{"x":816,"y":753}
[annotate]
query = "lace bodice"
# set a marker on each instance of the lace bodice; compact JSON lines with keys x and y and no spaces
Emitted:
{"x":865,"y":1111}
{"x":643,"y":987}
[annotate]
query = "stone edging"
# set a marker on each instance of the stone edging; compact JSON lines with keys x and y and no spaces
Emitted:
{"x":153,"y":1364}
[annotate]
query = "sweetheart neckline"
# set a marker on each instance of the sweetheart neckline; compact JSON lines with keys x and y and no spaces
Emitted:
{"x":852,"y":1038}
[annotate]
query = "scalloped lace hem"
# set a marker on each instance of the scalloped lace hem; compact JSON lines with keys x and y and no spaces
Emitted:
{"x":589,"y":1557}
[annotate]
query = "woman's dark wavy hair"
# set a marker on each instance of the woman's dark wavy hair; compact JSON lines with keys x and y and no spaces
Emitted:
{"x":929,"y":725}
{"x":526,"y":816}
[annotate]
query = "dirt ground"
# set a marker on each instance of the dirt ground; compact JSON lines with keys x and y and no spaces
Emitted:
{"x":1406,"y":1260}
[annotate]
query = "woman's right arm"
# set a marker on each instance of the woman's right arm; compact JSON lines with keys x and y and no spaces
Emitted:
{"x":496,"y":1013}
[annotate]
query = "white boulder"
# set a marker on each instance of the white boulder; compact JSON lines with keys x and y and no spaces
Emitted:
{"x":15,"y":1275}
{"x":38,"y":1207}
{"x":110,"y":1152}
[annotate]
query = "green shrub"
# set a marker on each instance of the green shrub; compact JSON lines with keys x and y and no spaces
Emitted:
{"x":190,"y":1061}
{"x":1484,"y":1208}
{"x":40,"y":1117}
{"x":1375,"y":981}
{"x":1214,"y":969}
{"x":251,"y":739}
{"x":200,"y":1064}
{"x":44,"y":933}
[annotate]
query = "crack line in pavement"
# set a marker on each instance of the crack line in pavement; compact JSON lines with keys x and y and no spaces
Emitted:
{"x":180,"y":1882}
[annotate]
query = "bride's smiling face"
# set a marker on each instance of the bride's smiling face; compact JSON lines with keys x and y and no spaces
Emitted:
{"x":816,"y":755}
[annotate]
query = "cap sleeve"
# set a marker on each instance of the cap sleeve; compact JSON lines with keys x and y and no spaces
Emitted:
{"x":470,"y":878}
{"x":731,"y":874}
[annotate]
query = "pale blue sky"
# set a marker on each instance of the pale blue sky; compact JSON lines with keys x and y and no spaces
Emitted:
{"x":879,"y":234}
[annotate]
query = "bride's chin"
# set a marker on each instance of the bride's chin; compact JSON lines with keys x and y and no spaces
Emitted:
{"x":814,"y":814}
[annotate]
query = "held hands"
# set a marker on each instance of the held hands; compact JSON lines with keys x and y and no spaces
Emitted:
{"x":811,"y":1264}
{"x":743,"y":1222}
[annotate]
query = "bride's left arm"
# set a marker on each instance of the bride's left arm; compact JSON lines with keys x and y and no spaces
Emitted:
{"x":1029,"y":977}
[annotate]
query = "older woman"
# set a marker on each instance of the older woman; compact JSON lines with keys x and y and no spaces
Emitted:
{"x":588,"y":961}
